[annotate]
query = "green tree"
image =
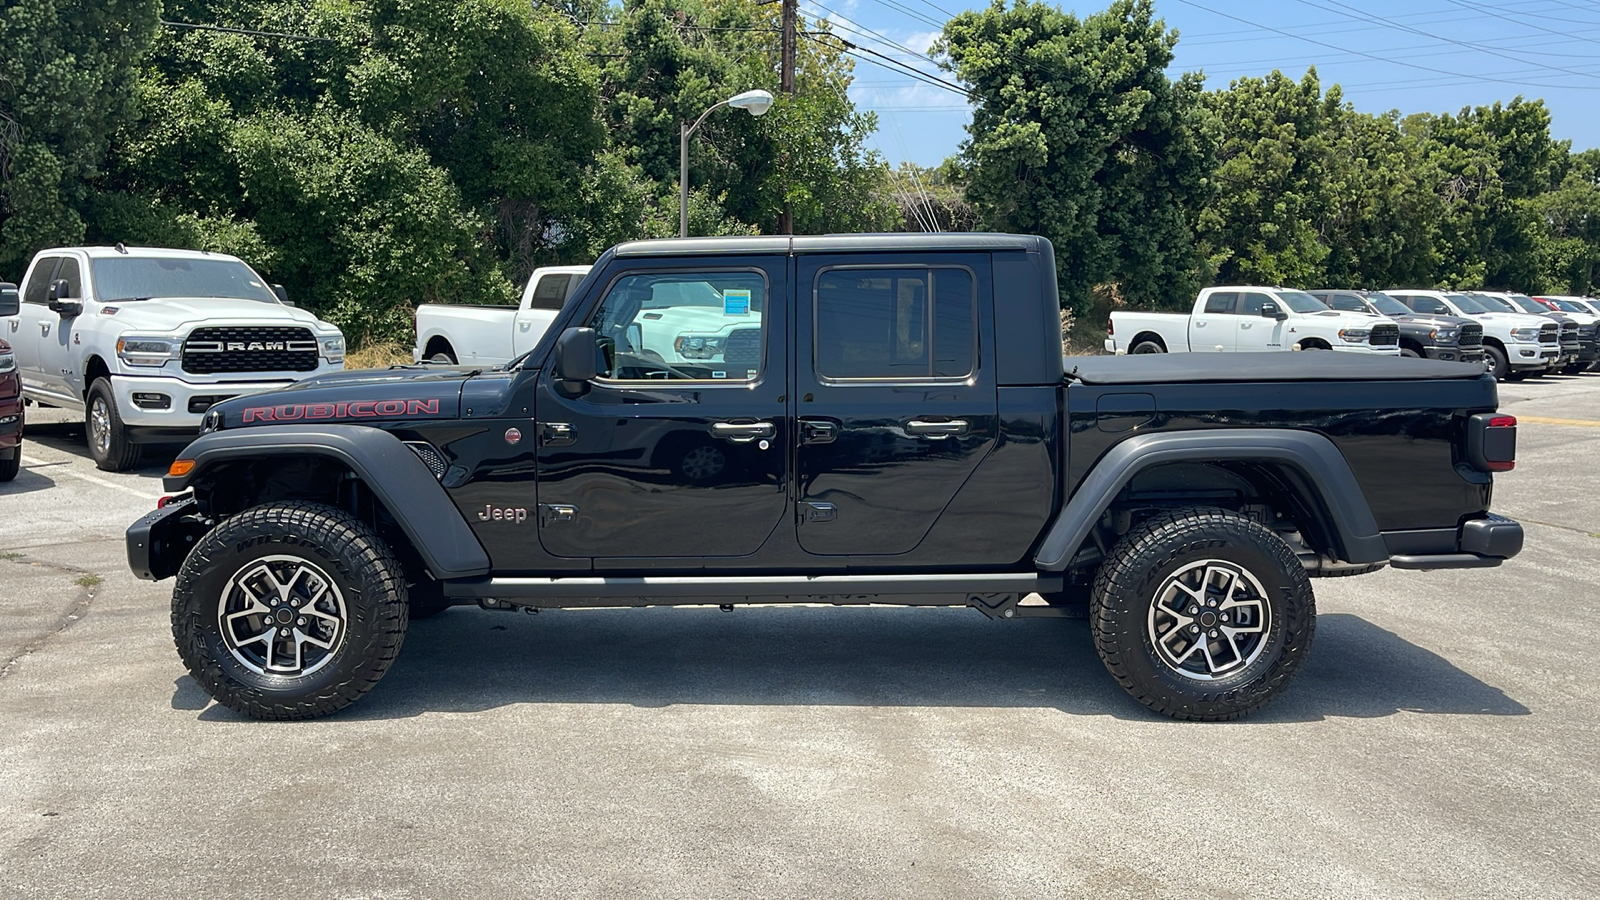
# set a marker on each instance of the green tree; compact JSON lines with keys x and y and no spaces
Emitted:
{"x":67,"y":80}
{"x":1079,"y":135}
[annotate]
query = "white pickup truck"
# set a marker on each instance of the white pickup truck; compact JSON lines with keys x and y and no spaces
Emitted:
{"x":1249,"y":319}
{"x":144,"y":340}
{"x":462,"y":334}
{"x":1515,"y":345}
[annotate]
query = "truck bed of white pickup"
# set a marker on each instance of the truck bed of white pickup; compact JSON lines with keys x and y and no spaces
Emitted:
{"x":453,"y":334}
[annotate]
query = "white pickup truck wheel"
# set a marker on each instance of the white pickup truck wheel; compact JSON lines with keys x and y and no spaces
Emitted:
{"x":103,"y":428}
{"x":443,"y":358}
{"x":1148,"y":347}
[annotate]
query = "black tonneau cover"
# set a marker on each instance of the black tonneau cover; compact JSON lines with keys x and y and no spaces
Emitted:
{"x":1309,"y":365}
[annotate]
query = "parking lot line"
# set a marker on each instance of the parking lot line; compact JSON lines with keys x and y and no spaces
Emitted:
{"x":1546,"y":420}
{"x":62,"y":468}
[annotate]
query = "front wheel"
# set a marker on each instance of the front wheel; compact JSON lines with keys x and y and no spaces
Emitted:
{"x":289,"y":611}
{"x":1202,"y":614}
{"x":1494,"y":359}
{"x":1409,"y":353}
{"x":108,"y":437}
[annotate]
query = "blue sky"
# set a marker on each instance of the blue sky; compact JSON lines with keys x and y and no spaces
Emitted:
{"x":1410,"y":55}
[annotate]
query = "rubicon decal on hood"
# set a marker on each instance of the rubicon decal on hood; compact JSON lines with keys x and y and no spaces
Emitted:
{"x":359,"y":409}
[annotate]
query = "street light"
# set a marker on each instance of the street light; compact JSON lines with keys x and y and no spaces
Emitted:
{"x":755,"y":102}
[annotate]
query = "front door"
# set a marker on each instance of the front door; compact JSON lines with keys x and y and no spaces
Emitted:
{"x":896,"y":398}
{"x":679,"y":449}
{"x":1258,"y":332}
{"x":57,"y":372}
{"x":37,"y":324}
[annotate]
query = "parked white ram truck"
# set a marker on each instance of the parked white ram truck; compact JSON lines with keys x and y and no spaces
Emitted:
{"x":144,"y":340}
{"x":1249,"y":319}
{"x":452,"y":334}
{"x":1515,"y":345}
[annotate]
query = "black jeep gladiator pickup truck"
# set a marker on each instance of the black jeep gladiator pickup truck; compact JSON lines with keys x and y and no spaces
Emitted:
{"x":849,"y":419}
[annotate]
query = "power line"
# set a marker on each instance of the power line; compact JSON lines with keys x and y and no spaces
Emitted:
{"x":892,"y":64}
{"x":1381,"y":59}
{"x":908,"y":11}
{"x":1359,"y":15}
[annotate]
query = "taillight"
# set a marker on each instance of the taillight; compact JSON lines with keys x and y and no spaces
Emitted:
{"x":1492,"y":442}
{"x":162,"y":503}
{"x":1111,"y":327}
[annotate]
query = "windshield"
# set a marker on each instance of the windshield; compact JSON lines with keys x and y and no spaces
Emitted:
{"x":1529,"y":304}
{"x":1387,"y":305}
{"x":1302,"y":302}
{"x":1345,"y":302}
{"x":1495,"y":304}
{"x":1468,"y":304}
{"x":1569,"y":306}
{"x":118,"y":279}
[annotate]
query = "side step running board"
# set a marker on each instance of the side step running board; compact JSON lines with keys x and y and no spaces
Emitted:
{"x":667,"y":590}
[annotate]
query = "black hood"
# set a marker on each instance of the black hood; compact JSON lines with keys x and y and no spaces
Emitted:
{"x":352,"y":397}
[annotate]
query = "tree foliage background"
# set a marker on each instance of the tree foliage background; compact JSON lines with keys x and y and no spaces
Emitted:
{"x":376,"y":154}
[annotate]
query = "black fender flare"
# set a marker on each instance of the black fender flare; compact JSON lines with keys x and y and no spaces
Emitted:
{"x":394,"y":474}
{"x":1312,"y":455}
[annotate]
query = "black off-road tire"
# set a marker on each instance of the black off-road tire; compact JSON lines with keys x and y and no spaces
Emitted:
{"x":364,"y":573}
{"x":112,"y":452}
{"x":1137,"y":574}
{"x":1494,"y":359}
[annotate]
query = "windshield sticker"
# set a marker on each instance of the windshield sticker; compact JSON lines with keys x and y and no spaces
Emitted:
{"x":736,"y":302}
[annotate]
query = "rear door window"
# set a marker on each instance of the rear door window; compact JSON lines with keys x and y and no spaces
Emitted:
{"x":895,"y":324}
{"x":552,"y":290}
{"x":1222,"y":302}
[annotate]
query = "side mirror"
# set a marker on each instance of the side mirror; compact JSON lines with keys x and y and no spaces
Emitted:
{"x":1270,"y":310}
{"x":60,"y":302}
{"x":10,"y":300}
{"x":281,"y":294}
{"x":575,"y":355}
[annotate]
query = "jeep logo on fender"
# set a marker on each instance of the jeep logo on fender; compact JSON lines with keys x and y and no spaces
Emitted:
{"x":503,"y":514}
{"x":360,"y":409}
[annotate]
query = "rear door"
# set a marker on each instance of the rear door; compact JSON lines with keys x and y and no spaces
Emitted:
{"x":1215,"y":328}
{"x":678,"y":451}
{"x":895,"y":395}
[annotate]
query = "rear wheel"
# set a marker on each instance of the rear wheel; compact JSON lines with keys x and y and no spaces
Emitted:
{"x":443,"y":357}
{"x":1202,"y":614}
{"x":107,"y":436}
{"x":1494,"y":359}
{"x":1148,"y":347}
{"x":289,"y":611}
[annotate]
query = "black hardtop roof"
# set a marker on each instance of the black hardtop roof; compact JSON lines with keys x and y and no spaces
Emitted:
{"x":1309,"y":365}
{"x":830,"y":243}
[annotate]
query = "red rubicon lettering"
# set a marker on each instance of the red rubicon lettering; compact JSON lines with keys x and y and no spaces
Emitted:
{"x":360,"y":409}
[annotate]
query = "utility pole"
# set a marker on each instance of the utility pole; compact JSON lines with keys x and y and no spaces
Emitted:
{"x":786,"y":84}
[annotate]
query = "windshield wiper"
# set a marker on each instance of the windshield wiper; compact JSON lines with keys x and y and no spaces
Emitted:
{"x":129,"y":299}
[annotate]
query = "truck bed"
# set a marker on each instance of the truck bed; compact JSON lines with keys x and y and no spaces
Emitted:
{"x":1312,"y":365}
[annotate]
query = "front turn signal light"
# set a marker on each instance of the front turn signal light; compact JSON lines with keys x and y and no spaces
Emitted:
{"x":180,"y":468}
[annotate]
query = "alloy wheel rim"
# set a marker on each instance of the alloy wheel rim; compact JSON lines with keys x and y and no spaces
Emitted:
{"x":100,"y":425}
{"x":1209,"y":620}
{"x":282,"y":615}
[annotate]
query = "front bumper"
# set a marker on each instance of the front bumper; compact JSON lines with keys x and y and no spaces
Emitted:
{"x":160,"y":541}
{"x":1453,"y":353}
{"x":1368,"y":349}
{"x":1479,"y":544}
{"x":1522,"y":356}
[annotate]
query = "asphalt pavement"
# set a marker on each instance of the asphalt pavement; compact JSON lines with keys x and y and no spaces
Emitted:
{"x":1441,"y":742}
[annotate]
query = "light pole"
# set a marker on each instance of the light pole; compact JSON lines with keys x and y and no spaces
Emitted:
{"x":755,"y":102}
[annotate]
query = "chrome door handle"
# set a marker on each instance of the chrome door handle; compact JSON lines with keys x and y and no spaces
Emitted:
{"x":44,"y":329}
{"x":937,"y":430}
{"x":743,"y":432}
